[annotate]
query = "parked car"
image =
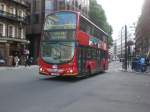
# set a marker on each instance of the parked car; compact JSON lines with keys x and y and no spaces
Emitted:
{"x":121,"y":59}
{"x":2,"y":61}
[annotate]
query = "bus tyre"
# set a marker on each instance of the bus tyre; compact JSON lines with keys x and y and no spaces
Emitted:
{"x":104,"y":68}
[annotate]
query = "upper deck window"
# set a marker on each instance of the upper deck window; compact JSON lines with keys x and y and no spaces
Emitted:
{"x":60,"y":20}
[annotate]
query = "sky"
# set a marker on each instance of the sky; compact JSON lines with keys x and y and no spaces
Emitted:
{"x":121,"y":12}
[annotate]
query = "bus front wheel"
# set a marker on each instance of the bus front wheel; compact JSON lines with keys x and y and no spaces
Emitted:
{"x":89,"y":71}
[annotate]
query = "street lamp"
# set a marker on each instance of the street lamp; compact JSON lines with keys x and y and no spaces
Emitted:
{"x":121,"y":40}
{"x":126,"y":55}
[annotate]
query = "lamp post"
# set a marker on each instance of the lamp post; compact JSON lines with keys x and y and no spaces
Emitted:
{"x":121,"y":40}
{"x":126,"y":55}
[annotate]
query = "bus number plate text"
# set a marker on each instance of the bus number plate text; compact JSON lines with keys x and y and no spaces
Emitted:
{"x":55,"y":74}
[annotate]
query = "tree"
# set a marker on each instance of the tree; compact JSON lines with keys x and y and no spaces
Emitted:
{"x":97,"y":15}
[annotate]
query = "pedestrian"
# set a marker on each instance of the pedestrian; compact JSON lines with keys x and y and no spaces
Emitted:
{"x":137,"y":64}
{"x":30,"y":60}
{"x":142,"y":64}
{"x":26,"y":60}
{"x":133,"y":65}
{"x":147,"y":61}
{"x":16,"y":60}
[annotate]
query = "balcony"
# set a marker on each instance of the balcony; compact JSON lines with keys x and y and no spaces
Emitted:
{"x":12,"y":39}
{"x":13,"y":17}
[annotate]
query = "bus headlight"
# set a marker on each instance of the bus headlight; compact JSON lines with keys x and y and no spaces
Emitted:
{"x":41,"y":69}
{"x":71,"y":71}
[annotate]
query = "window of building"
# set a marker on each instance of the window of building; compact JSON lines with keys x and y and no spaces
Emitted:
{"x":28,"y":19}
{"x":2,"y":7}
{"x":20,"y":13}
{"x":36,"y":5}
{"x":11,"y":10}
{"x":49,"y":6}
{"x":14,"y":11}
{"x":61,"y":5}
{"x":24,"y":14}
{"x":11,"y":31}
{"x":1,"y":29}
{"x":20,"y":33}
{"x":35,"y":19}
{"x":76,"y":4}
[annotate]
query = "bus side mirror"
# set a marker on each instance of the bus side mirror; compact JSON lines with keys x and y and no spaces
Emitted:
{"x":76,"y":44}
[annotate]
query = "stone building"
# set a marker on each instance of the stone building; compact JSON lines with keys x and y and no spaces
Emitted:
{"x":12,"y":28}
{"x":40,"y":8}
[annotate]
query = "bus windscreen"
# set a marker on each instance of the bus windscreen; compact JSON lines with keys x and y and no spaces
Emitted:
{"x":57,"y":52}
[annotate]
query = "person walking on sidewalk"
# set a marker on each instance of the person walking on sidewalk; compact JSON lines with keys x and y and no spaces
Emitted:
{"x":142,"y":64}
{"x":16,"y":60}
{"x":133,"y":65}
{"x":136,"y":64}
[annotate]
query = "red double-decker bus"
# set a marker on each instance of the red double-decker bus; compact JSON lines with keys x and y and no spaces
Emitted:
{"x":71,"y":45}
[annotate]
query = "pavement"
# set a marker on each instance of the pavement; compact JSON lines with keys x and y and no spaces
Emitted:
{"x":19,"y":67}
{"x":129,"y":70}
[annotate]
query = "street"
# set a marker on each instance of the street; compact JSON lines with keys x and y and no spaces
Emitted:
{"x":22,"y":90}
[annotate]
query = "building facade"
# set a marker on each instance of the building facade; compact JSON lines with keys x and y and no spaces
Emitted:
{"x":143,"y":31}
{"x":12,"y":28}
{"x":41,"y":8}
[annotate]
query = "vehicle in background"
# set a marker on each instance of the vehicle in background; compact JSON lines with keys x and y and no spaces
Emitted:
{"x":121,"y":59}
{"x":2,"y":61}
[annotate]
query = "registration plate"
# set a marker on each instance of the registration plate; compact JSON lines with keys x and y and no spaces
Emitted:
{"x":55,"y":74}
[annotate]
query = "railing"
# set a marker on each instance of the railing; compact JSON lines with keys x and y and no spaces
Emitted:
{"x":21,"y":2}
{"x":12,"y":16}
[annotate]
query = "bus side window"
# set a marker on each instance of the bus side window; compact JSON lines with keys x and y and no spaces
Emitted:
{"x":84,"y":26}
{"x":101,"y":54}
{"x":91,"y":53}
{"x":94,"y":53}
{"x":88,"y":53}
{"x":97,"y":54}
